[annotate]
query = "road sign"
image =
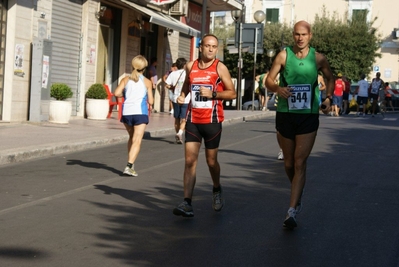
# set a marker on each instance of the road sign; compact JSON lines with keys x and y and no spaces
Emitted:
{"x":248,"y":35}
{"x":234,"y":50}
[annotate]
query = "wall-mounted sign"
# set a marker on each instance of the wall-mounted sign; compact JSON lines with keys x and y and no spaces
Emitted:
{"x":19,"y":60}
{"x":161,"y":2}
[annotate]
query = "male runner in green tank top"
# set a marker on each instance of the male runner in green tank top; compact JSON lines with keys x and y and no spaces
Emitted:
{"x":297,"y":116}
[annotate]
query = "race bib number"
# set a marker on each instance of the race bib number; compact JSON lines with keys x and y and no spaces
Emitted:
{"x":300,"y":98}
{"x":198,"y":101}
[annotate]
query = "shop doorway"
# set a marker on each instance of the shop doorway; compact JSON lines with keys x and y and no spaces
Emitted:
{"x":149,"y":40}
{"x":108,"y":54}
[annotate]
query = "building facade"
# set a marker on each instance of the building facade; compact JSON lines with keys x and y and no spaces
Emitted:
{"x":387,"y":23}
{"x":81,"y":42}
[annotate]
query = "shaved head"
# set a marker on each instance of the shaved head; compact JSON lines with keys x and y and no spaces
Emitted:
{"x":303,"y":24}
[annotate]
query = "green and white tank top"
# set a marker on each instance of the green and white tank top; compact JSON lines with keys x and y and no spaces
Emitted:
{"x":300,"y":74}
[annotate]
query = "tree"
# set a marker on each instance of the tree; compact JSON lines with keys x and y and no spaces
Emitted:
{"x":350,"y":45}
{"x":275,"y":36}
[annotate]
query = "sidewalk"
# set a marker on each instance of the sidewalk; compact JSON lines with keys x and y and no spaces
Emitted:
{"x":25,"y":141}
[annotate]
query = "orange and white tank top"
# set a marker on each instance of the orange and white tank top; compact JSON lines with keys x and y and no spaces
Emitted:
{"x":202,"y":110}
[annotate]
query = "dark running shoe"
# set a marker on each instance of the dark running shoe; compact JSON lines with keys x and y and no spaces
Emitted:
{"x":218,"y":201}
{"x":290,"y":221}
{"x":184,"y":209}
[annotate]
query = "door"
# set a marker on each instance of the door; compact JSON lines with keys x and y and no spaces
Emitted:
{"x":108,"y":54}
{"x":66,"y":36}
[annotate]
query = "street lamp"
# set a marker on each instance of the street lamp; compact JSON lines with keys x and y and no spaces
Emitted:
{"x":259,"y":17}
{"x":238,"y":16}
{"x":270,"y":54}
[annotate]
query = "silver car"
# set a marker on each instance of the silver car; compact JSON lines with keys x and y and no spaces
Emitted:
{"x":270,"y":104}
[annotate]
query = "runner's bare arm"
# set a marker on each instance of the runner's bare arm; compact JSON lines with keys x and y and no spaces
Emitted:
{"x":185,"y":89}
{"x":119,"y":90}
{"x":148,"y":85}
{"x":229,"y":91}
{"x":278,"y":65}
{"x":323,"y":65}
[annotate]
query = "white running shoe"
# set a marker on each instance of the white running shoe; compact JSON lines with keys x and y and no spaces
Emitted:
{"x":179,"y":139}
{"x":130,"y":171}
{"x":280,"y":155}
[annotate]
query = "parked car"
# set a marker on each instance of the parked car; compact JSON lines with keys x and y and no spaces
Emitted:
{"x":270,"y":104}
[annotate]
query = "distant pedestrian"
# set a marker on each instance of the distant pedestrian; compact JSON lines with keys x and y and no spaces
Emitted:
{"x":322,"y":87}
{"x":152,"y":72}
{"x":263,"y":98}
{"x":338,"y":95}
{"x":172,"y":68}
{"x":345,"y":96}
{"x":388,"y":97}
{"x":362,"y":94}
{"x":174,"y":83}
{"x":137,"y":91}
{"x":376,"y":85}
{"x":152,"y":75}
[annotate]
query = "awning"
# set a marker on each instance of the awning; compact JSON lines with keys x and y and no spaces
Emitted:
{"x":221,"y":5}
{"x":164,"y":20}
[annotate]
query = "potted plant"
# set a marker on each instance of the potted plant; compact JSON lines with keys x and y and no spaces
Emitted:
{"x":97,"y":103}
{"x":59,"y":109}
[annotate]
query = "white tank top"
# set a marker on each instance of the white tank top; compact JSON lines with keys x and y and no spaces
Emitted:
{"x":135,"y":94}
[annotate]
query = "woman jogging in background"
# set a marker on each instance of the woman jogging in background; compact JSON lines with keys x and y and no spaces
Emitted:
{"x":137,"y":91}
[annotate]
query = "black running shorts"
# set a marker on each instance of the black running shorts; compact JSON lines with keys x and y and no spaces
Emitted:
{"x":291,"y":124}
{"x":211,"y":134}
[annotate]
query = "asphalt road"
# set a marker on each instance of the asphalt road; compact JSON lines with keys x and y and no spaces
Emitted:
{"x":77,"y":210}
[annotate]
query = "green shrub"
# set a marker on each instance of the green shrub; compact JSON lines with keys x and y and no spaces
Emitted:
{"x":97,"y":91}
{"x":60,"y":91}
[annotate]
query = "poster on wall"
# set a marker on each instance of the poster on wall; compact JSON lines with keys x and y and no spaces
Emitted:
{"x":19,"y":59}
{"x":92,"y":54}
{"x":46,"y":71}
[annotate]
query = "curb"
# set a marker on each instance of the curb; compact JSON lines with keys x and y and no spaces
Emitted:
{"x":48,"y":150}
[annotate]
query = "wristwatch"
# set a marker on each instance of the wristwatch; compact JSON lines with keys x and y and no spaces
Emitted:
{"x":214,"y":94}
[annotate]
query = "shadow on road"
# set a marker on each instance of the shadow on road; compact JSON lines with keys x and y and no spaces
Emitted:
{"x":94,"y":165}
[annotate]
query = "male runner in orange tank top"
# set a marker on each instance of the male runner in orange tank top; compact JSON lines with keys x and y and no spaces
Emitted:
{"x":209,"y":82}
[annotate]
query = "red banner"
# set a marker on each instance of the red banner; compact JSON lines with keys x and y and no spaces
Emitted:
{"x":194,"y":17}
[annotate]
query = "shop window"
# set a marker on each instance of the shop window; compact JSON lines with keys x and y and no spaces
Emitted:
{"x":272,"y":15}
